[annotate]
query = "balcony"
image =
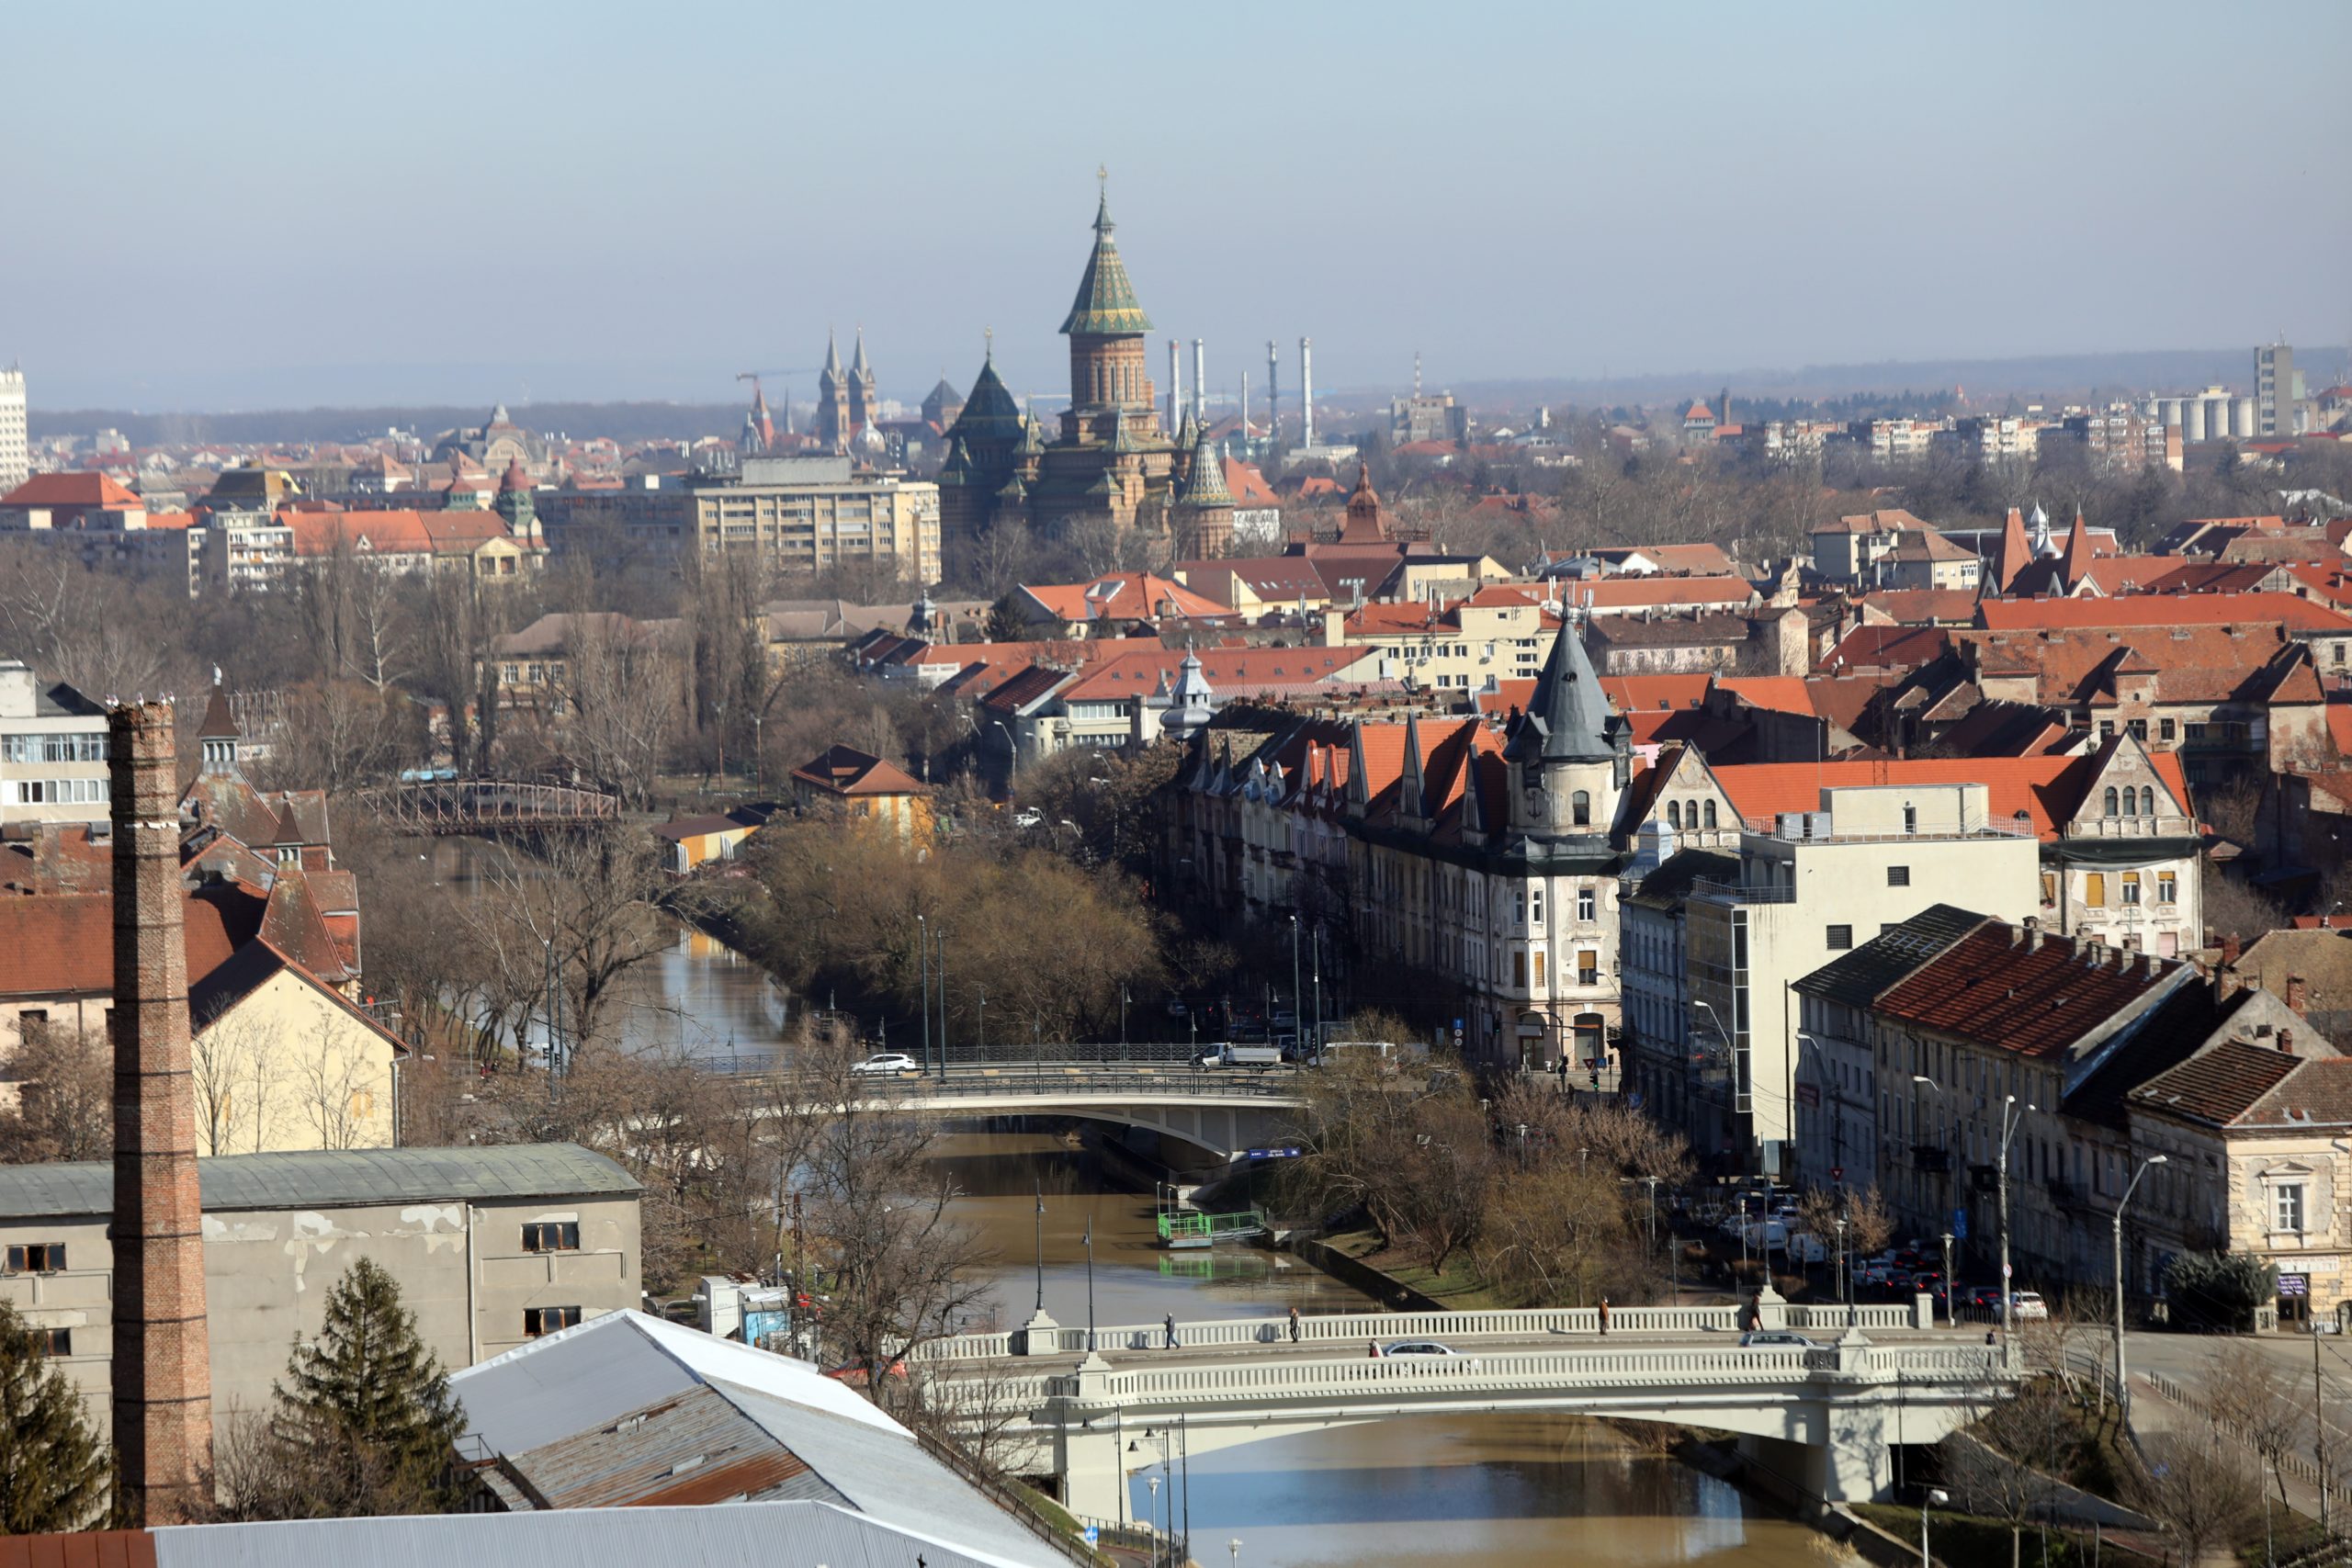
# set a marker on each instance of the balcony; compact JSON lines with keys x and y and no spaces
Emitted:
{"x":1818,"y":828}
{"x":1742,"y":891}
{"x":1934,"y":1161}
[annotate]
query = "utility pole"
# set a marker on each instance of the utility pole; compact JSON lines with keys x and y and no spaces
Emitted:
{"x":2123,"y":1386}
{"x":923,"y":969}
{"x":2010,"y":1118}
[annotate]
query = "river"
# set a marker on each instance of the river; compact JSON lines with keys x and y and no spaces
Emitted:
{"x":1497,"y":1490}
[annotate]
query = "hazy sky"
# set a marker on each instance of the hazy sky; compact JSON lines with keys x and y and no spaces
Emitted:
{"x":237,"y":204}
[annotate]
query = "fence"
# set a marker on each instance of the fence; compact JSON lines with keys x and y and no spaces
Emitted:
{"x":2335,"y":1499}
{"x":1354,"y":1327}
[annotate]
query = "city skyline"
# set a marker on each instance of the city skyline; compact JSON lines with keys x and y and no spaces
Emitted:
{"x":1625,"y":194}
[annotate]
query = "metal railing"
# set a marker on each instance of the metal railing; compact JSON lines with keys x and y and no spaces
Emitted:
{"x":458,"y":805}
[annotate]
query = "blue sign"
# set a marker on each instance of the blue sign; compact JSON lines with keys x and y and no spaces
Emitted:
{"x":1634,"y":1100}
{"x":1094,"y":1535}
{"x":1960,"y":1224}
{"x":1291,"y":1153}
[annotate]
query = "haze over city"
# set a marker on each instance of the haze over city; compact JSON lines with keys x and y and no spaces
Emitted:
{"x":437,"y":203}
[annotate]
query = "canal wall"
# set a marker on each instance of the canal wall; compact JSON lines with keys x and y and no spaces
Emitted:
{"x":1362,"y":1276}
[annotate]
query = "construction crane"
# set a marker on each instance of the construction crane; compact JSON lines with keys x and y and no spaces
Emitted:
{"x":760,"y":395}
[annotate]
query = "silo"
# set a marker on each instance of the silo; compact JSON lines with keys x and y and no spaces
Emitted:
{"x":2242,"y":420}
{"x":2192,"y":419}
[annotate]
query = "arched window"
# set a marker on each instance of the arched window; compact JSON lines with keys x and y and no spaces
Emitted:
{"x":2110,"y":800}
{"x":1707,"y":809}
{"x":2148,"y":801}
{"x":1674,"y":814}
{"x":1580,"y":803}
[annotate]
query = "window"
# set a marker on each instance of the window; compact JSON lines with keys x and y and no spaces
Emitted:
{"x":1519,"y":907}
{"x":1518,"y":969}
{"x":2049,"y":888}
{"x":2165,"y":729}
{"x":2107,"y":731}
{"x":1580,"y":807}
{"x":546,"y":1320}
{"x":1910,"y":821}
{"x":2111,"y":801}
{"x":1840,"y":938}
{"x":2287,"y":1207}
{"x":1674,"y":814}
{"x":55,"y":1341}
{"x":2168,"y":888}
{"x":1587,"y":904}
{"x":551,"y":1236}
{"x":2148,"y":801}
{"x":1587,"y":967}
{"x":1898,"y":877}
{"x":2130,"y":887}
{"x":1536,"y":905}
{"x":2095,"y":889}
{"x":2138,"y":726}
{"x":36,"y":1257}
{"x":1707,"y":809}
{"x":53,"y":749}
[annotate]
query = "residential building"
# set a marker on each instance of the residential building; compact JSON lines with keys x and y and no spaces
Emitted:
{"x":710,"y":837}
{"x":1991,"y":438}
{"x":1127,"y":701}
{"x":1812,"y":883}
{"x":1427,"y":417}
{"x":53,"y":751}
{"x":860,"y":787}
{"x":1848,"y":549}
{"x":491,"y":1247}
{"x":1117,"y":604}
{"x":1498,"y":633}
{"x":15,"y":455}
{"x":1668,"y":1070}
{"x":2278,"y":392}
{"x":814,"y":513}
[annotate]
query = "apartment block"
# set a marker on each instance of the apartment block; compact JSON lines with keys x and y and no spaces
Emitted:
{"x":53,"y":751}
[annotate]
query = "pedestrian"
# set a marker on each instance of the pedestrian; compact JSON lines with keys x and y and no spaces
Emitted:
{"x":1168,"y":1326}
{"x":1604,"y":1314}
{"x":1294,"y":1322}
{"x":1988,"y":1336}
{"x":1373,"y":1346}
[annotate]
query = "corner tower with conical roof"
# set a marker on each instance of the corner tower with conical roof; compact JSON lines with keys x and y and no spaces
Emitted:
{"x":1106,"y":327}
{"x":1569,"y":755}
{"x":1203,"y":516}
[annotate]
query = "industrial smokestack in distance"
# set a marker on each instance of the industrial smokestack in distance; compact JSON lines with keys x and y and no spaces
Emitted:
{"x":1306,"y":391}
{"x":162,"y":1364}
{"x":1273,"y":393}
{"x":1175,"y":385}
{"x":1245,"y":405}
{"x":1200,"y":382}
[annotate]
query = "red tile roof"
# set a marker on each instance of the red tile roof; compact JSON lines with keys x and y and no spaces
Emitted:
{"x":2219,"y":1086}
{"x":83,"y":489}
{"x":846,"y":771}
{"x":63,"y":944}
{"x":2161,"y":610}
{"x":1994,"y":988}
{"x":1228,"y":670}
{"x":2047,"y":790}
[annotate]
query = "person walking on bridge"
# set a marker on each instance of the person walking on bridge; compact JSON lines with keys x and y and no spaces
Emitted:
{"x":1604,"y":1315}
{"x":1294,"y":1322}
{"x":1168,"y":1326}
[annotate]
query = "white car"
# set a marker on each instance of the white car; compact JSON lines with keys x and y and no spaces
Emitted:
{"x":888,"y":1065}
{"x":1415,"y":1347}
{"x":2028,"y":1306}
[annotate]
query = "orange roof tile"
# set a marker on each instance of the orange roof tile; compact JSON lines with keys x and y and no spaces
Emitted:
{"x":2161,"y":610}
{"x":2047,"y":790}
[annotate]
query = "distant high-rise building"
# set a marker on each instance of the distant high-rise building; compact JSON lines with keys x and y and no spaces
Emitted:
{"x":2278,"y":392}
{"x":16,"y":458}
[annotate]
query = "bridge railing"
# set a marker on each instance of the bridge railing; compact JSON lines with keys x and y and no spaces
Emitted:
{"x":1355,"y":1327}
{"x":1657,"y":1367}
{"x":1027,"y":1079}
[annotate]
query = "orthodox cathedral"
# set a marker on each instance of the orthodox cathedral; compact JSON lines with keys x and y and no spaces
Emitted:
{"x":1110,"y":459}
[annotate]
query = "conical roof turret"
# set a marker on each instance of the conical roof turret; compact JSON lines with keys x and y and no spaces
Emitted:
{"x":989,"y":413}
{"x":857,"y":361}
{"x":1205,"y":485}
{"x":1567,"y":719}
{"x":1107,"y":304}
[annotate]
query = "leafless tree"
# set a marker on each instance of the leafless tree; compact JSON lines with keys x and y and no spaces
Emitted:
{"x":331,"y":1088}
{"x":2249,"y":1391}
{"x":64,"y":1108}
{"x":2201,"y":1484}
{"x":583,"y":907}
{"x":2002,"y":1465}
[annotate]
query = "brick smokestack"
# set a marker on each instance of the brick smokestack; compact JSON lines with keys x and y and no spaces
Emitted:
{"x":162,"y":1364}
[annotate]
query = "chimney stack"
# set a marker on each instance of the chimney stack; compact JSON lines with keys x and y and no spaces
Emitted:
{"x":2286,"y":1042}
{"x":1273,"y":395}
{"x":1200,"y":382}
{"x":1306,"y":391}
{"x":163,"y":1376}
{"x":1175,"y":385}
{"x":2229,"y":953}
{"x":2297,"y":995}
{"x":1245,"y":405}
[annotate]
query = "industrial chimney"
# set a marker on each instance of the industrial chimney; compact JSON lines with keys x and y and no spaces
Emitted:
{"x":1175,"y":385}
{"x":1274,"y":396}
{"x":1306,"y":391}
{"x":163,"y":1367}
{"x":1200,"y":382}
{"x":1245,"y":405}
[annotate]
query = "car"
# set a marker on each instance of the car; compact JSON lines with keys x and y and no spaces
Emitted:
{"x":1031,"y":817}
{"x":1777,"y":1338}
{"x":1176,"y":1008}
{"x":2028,"y":1305}
{"x":1415,"y":1347}
{"x":885,"y":1065}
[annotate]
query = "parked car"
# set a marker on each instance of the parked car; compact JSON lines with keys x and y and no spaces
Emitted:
{"x":1415,"y":1347}
{"x":888,"y":1064}
{"x":2028,"y":1305}
{"x":1777,"y":1338}
{"x":1029,"y":817}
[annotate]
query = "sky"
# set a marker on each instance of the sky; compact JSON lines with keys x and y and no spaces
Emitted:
{"x":242,"y":205}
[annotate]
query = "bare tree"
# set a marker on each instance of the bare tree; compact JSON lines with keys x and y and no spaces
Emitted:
{"x":2251,"y":1392}
{"x":2201,"y":1484}
{"x":332,"y":1089}
{"x":2001,"y":1466}
{"x":64,"y":1108}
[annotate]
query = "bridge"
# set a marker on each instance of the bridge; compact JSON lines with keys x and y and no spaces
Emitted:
{"x":1827,"y":1418}
{"x":1225,"y":1112}
{"x":474,"y":806}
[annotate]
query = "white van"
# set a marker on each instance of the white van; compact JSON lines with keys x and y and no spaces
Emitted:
{"x":1231,"y":1056}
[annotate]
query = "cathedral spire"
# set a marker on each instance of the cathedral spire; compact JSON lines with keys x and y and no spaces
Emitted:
{"x":1107,"y":304}
{"x":857,"y":363}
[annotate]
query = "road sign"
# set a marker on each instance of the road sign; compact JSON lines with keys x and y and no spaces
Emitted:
{"x":1094,"y":1535}
{"x":1960,"y":1224}
{"x":1837,"y":1173}
{"x":1291,"y":1151}
{"x":2005,"y":1271}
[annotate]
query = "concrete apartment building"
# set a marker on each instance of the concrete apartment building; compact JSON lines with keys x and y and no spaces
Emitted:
{"x":53,"y":751}
{"x":492,"y":1247}
{"x":1813,"y":884}
{"x":802,"y":514}
{"x":16,"y":452}
{"x":2278,"y":392}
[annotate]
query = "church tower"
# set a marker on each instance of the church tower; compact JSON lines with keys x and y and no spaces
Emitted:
{"x":1569,"y":755}
{"x":833,"y":428}
{"x":1106,"y":327}
{"x":864,"y":414}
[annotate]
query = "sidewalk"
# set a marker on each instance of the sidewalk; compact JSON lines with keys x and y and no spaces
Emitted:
{"x":2153,"y":1412}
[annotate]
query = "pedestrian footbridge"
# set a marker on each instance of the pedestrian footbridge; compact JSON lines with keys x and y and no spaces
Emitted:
{"x":1827,"y":1418}
{"x":1223,"y":1111}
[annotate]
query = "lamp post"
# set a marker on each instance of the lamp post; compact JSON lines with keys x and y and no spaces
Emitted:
{"x":1297,"y":1011}
{"x":2010,"y":1118}
{"x":2124,"y":1389}
{"x":1935,"y":1497}
{"x":923,"y":971}
{"x":1952,"y":1286}
{"x":1041,"y":1244}
{"x":1234,"y":1546}
{"x":1844,"y":1294}
{"x":1090,"y":1284}
{"x":757,"y":717}
{"x":983,"y":1026}
{"x":1314,"y":968}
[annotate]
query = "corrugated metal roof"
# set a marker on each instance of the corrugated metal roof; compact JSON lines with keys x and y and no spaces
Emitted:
{"x":322,"y":1178}
{"x":772,"y":1535}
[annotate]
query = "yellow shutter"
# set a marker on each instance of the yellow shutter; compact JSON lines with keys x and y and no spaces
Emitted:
{"x":2095,"y":889}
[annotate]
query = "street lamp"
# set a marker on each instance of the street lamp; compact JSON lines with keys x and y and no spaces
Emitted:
{"x":1234,"y":1546}
{"x":2010,"y":1118}
{"x":1297,"y":1027}
{"x":1935,"y":1497}
{"x":1844,"y":1294}
{"x":2122,"y":1388}
{"x":1089,"y":1282}
{"x":923,"y":971}
{"x":1951,"y":1287}
{"x":1041,"y":1244}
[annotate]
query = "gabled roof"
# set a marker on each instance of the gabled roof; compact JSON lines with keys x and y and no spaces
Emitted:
{"x":335,"y":1178}
{"x":256,"y":965}
{"x":82,"y":490}
{"x":2048,"y":791}
{"x":61,"y":944}
{"x":2133,"y":610}
{"x":1999,"y":988}
{"x":1124,"y":595}
{"x":2224,"y":1086}
{"x":1859,"y":978}
{"x":846,"y":771}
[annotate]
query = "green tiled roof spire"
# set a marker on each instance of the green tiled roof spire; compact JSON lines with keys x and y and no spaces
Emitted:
{"x":1106,"y":305}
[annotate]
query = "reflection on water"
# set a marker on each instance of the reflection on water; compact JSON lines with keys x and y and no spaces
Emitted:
{"x":1487,"y":1490}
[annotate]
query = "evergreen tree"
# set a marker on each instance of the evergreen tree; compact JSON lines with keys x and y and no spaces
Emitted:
{"x":54,"y":1474}
{"x":371,"y":1406}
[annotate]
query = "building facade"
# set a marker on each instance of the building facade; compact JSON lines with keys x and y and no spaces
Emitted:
{"x":16,"y":452}
{"x":53,"y":751}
